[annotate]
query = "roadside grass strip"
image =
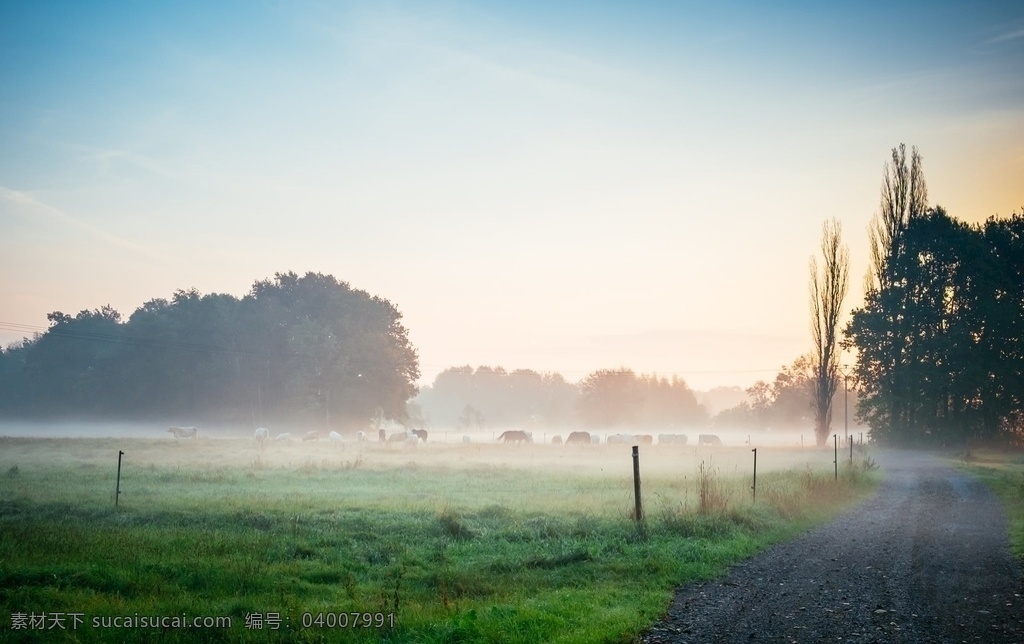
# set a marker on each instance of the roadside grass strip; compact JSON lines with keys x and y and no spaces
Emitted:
{"x":1003,"y":472}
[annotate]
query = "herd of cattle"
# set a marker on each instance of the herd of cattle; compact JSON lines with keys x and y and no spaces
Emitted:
{"x":586,"y":438}
{"x":413,"y":437}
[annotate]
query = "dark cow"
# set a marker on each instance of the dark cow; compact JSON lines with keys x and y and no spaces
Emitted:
{"x":420,"y":434}
{"x":515,"y":436}
{"x":311,"y":436}
{"x":557,"y":440}
{"x":184,"y":432}
{"x":708,"y":439}
{"x":578,"y":438}
{"x":382,"y":435}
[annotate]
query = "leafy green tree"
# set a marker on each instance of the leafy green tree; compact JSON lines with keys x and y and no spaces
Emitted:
{"x":66,"y":368}
{"x":940,"y":358}
{"x":610,"y":398}
{"x":306,"y":345}
{"x":347,"y":352}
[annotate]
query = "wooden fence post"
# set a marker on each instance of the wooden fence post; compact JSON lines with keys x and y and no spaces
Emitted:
{"x":835,"y":458}
{"x":754,"y":486}
{"x":639,"y":508}
{"x":117,"y":491}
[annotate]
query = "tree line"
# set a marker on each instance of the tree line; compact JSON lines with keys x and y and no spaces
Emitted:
{"x":308,"y":347}
{"x":469,"y":398}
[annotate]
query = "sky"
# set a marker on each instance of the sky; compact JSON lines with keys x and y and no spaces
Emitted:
{"x":558,"y":186}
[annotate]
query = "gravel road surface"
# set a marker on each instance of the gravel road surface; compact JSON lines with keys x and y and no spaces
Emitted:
{"x":925,"y":560}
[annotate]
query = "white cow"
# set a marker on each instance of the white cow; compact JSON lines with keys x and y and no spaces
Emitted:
{"x":672,"y":439}
{"x":283,"y":437}
{"x":361,"y":437}
{"x":261,"y":436}
{"x":335,"y":437}
{"x":184,"y":432}
{"x":622,"y":439}
{"x":467,"y":439}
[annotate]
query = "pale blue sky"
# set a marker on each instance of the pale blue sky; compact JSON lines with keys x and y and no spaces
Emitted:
{"x":562,"y":186}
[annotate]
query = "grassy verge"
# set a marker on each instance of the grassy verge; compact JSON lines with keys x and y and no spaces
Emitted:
{"x":473,"y":552}
{"x":1003,"y":472}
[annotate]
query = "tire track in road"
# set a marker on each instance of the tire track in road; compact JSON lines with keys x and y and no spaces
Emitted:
{"x":926,"y":559}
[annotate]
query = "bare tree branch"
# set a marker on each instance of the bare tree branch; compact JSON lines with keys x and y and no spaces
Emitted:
{"x":904,"y":197}
{"x":828,"y":286}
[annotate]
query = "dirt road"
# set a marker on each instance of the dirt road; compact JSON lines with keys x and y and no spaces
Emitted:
{"x":926,"y":560}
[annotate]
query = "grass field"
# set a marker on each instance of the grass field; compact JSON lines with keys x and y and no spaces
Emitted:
{"x":358,"y":542}
{"x":1003,"y":472}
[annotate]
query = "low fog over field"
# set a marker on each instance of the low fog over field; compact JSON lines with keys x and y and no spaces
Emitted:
{"x":147,"y":445}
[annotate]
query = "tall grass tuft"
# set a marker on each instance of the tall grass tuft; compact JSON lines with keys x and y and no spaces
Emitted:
{"x":713,"y":497}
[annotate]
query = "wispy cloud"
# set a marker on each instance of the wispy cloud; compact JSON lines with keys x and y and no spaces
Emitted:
{"x":105,"y":157}
{"x":37,"y":208}
{"x":1010,"y":35}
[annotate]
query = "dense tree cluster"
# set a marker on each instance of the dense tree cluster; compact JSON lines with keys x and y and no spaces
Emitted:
{"x":493,"y":397}
{"x":307,"y":346}
{"x":940,"y":337}
{"x":787,"y":402}
{"x":620,"y":398}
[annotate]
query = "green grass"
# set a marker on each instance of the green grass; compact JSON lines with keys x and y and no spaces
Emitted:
{"x":466,"y":550}
{"x":1003,"y":472}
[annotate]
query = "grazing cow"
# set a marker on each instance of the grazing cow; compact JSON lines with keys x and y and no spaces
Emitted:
{"x":708,"y":439}
{"x":645,"y":439}
{"x":311,"y":436}
{"x":420,"y":434}
{"x":283,"y":437}
{"x":184,"y":432}
{"x":382,"y":436}
{"x":399,"y":437}
{"x":578,"y":438}
{"x":361,"y":437}
{"x":467,"y":439}
{"x":622,"y":439}
{"x":515,"y":436}
{"x":335,"y":437}
{"x":595,"y":439}
{"x":672,"y":439}
{"x":557,"y":440}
